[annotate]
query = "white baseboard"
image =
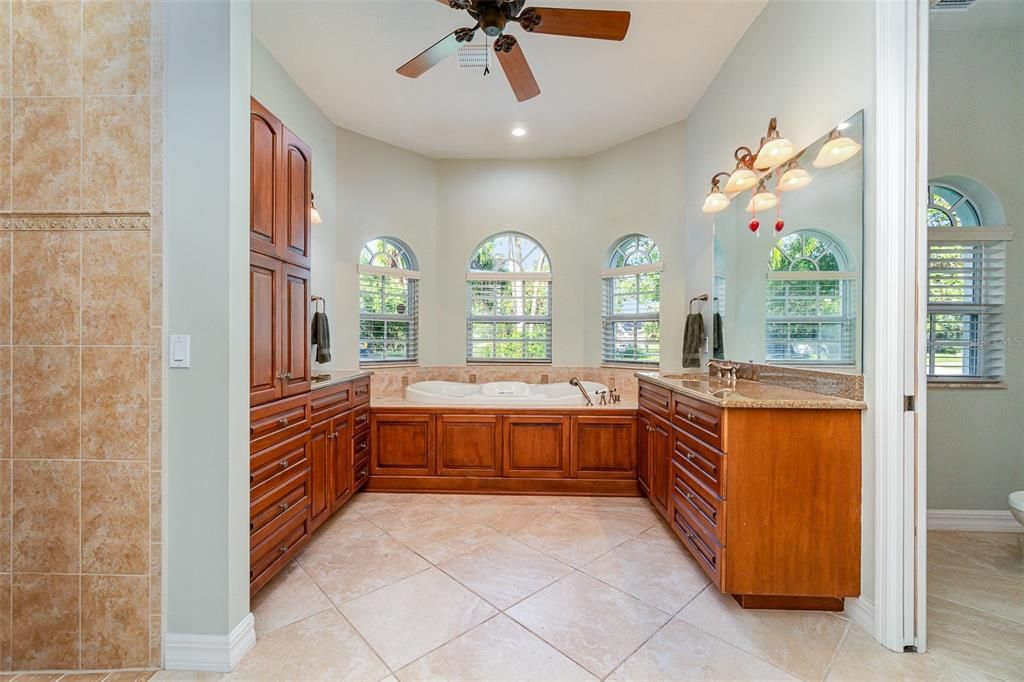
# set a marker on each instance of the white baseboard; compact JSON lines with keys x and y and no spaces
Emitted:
{"x":991,"y":520}
{"x":861,"y":611}
{"x":214,"y":653}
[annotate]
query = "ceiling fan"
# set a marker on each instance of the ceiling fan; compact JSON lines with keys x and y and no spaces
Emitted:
{"x":492,"y":16}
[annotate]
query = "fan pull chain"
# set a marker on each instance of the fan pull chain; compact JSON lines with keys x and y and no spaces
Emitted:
{"x":487,"y":57}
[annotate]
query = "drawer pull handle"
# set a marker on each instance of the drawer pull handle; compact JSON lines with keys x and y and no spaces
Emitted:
{"x":364,"y":472}
{"x":362,"y":418}
{"x":282,"y":549}
{"x":283,"y":506}
{"x":689,"y":416}
{"x":362,"y":446}
{"x":252,"y":477}
{"x":283,"y":421}
{"x":689,"y":456}
{"x":689,"y":496}
{"x":284,"y":463}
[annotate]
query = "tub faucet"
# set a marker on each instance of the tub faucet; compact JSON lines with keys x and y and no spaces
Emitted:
{"x":586,"y":396}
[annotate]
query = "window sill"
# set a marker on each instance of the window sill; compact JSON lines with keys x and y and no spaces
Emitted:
{"x":387,"y":365}
{"x":521,"y":363}
{"x":639,"y":367}
{"x":982,"y":385}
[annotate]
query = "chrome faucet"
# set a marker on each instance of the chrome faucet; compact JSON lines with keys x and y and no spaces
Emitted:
{"x":576,"y":382}
{"x":725,"y":370}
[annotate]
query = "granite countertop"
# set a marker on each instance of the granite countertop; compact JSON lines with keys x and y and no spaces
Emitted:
{"x":338,"y":376}
{"x":533,"y":407}
{"x":751,"y":394}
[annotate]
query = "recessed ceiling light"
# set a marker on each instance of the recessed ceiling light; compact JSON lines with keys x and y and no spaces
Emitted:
{"x":518,"y":131}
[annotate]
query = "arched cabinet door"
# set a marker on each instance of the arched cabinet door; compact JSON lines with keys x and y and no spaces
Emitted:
{"x":297,"y":189}
{"x":266,"y":209}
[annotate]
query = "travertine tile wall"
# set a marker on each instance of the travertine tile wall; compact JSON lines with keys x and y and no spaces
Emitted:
{"x":80,"y":334}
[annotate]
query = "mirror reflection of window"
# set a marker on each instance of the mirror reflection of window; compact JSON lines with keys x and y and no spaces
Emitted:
{"x":811,"y":311}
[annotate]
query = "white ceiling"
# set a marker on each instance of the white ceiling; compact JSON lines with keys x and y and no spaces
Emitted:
{"x":594,"y":93}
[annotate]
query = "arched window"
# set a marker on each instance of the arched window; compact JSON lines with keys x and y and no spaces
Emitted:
{"x":388,"y":303}
{"x":949,"y":208}
{"x":966,"y":284}
{"x":631,"y":323}
{"x":811,"y":310}
{"x":508,"y":301}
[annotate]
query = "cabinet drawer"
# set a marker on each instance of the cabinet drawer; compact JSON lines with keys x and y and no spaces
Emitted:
{"x":655,"y":399}
{"x":270,"y":512}
{"x":272,"y":423}
{"x":698,"y":419}
{"x":267,"y":558}
{"x":361,"y":446}
{"x":331,"y":401}
{"x":704,"y":463}
{"x":271,"y":467}
{"x":703,"y":506}
{"x":361,"y":391}
{"x":360,"y":473}
{"x":361,"y":419}
{"x":708,"y":553}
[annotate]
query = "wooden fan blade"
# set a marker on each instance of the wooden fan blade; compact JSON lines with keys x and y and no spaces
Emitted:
{"x":430,"y":57}
{"x":518,"y":72}
{"x":578,"y":23}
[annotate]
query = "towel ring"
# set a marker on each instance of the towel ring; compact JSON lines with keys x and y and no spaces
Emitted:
{"x":317,"y":300}
{"x":698,"y":300}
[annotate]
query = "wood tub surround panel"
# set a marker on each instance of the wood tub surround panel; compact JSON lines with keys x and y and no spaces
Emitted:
{"x":468,"y":445}
{"x":536,"y":446}
{"x":402,"y":444}
{"x":767,"y":500}
{"x":603,"y":447}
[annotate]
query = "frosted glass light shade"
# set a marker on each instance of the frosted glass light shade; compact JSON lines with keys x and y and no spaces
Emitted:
{"x":715,"y":202}
{"x":794,"y":178}
{"x":775,"y":152}
{"x":835,"y":151}
{"x":762,"y":201}
{"x":741,"y":179}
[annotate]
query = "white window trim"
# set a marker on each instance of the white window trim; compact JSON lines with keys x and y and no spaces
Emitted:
{"x":413,"y":318}
{"x":389,"y":272}
{"x":632,"y":270}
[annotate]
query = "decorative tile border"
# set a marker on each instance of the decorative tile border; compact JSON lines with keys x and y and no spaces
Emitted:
{"x":74,"y":222}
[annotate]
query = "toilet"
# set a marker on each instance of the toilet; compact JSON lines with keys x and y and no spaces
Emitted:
{"x":1016,"y":501}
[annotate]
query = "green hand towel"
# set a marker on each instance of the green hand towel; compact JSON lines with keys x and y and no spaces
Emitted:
{"x":693,"y":337}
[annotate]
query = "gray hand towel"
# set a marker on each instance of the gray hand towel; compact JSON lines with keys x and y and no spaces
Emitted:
{"x":321,"y":337}
{"x":719,"y":343}
{"x":693,"y":337}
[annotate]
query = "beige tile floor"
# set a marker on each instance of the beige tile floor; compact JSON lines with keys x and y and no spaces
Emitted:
{"x":453,"y":587}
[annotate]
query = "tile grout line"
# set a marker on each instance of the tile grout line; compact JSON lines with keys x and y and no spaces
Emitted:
{"x":835,"y":652}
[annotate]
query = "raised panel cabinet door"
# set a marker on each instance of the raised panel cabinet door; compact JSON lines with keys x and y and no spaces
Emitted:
{"x":661,"y":456}
{"x":468,"y":445}
{"x":536,"y":447}
{"x":295,"y":335}
{"x":643,"y":452}
{"x":604,"y":447}
{"x":340,"y":436}
{"x":265,"y":324}
{"x":266,"y":212}
{"x":402,"y":444}
{"x":319,"y":460}
{"x":296,"y":192}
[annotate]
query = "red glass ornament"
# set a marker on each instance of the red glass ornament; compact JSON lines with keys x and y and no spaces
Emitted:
{"x":754,"y":225}
{"x":779,"y":224}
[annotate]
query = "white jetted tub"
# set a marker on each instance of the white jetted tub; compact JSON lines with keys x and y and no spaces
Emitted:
{"x":500,"y":393}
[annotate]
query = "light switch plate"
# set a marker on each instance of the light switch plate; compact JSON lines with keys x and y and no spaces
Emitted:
{"x":181,"y":350}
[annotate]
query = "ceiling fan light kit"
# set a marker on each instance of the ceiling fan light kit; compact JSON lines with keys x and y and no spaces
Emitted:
{"x":493,"y":17}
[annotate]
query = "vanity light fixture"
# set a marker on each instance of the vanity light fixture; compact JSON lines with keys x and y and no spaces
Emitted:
{"x":836,"y":150}
{"x":314,"y":215}
{"x":743,"y":177}
{"x":762,"y":199}
{"x":794,"y":177}
{"x":716,"y":200}
{"x":775,"y":149}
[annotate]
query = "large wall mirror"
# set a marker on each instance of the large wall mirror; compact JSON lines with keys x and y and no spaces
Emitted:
{"x":794,"y":296}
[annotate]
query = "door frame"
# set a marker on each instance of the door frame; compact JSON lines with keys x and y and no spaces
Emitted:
{"x":897,"y":617}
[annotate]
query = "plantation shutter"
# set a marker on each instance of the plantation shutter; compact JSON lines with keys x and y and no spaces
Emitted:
{"x":388,"y":315}
{"x":966,"y":296}
{"x":508,"y":317}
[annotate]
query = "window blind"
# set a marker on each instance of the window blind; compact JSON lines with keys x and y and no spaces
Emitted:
{"x":388,"y":315}
{"x":631,"y":319}
{"x":508,"y":317}
{"x":811,"y":318}
{"x":966,"y":296}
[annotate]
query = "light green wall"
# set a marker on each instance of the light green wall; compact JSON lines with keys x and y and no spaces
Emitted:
{"x":976,"y":106}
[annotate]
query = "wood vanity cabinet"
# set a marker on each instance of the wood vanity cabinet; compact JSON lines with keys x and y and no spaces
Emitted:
{"x":305,"y":453}
{"x":767,"y":500}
